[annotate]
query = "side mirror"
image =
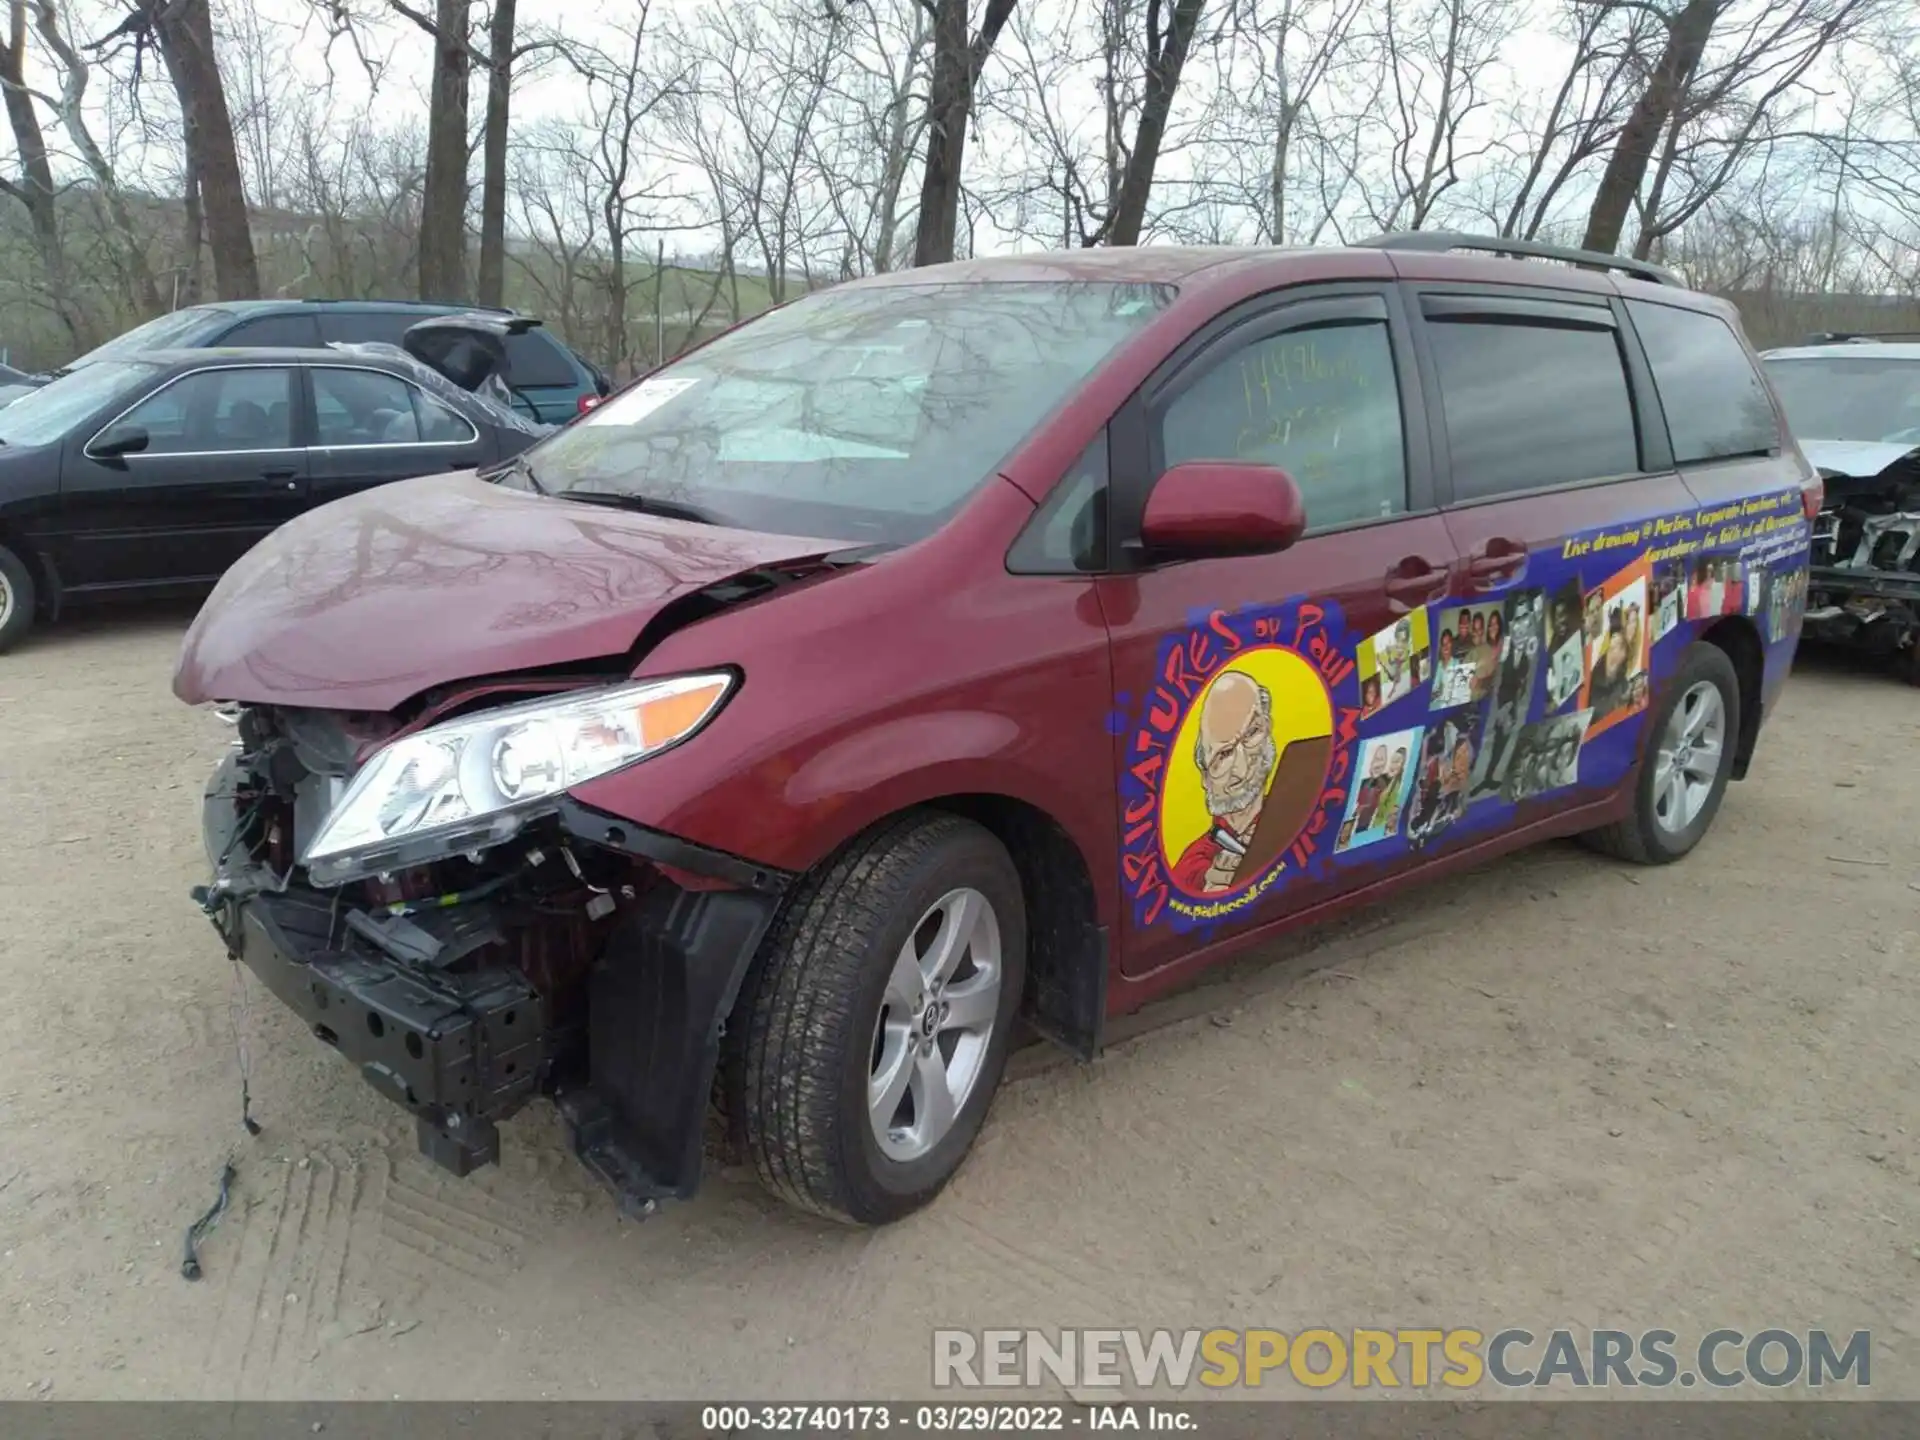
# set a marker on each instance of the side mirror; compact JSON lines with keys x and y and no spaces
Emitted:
{"x":121,"y":440}
{"x":1222,"y":507}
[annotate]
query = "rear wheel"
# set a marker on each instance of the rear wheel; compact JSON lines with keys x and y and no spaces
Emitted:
{"x":1906,"y":664}
{"x":16,"y":598}
{"x":1688,"y":763}
{"x":873,"y":1032}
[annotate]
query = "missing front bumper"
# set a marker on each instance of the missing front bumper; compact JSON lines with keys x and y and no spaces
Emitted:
{"x":459,"y":1051}
{"x":465,"y":1047}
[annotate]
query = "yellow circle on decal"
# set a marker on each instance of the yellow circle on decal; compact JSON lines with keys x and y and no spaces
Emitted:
{"x":1246,"y":770}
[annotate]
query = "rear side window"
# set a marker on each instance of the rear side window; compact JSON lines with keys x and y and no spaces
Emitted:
{"x":365,"y":407}
{"x":295,"y":332}
{"x":1716,"y":405}
{"x":535,"y":361}
{"x":1531,"y":404}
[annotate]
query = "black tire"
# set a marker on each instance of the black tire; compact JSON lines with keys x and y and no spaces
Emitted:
{"x":17,"y":598}
{"x":1906,"y":664}
{"x":800,"y":1045}
{"x":1640,"y":837}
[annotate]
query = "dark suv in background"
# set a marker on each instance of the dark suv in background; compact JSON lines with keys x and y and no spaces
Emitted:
{"x":552,"y":382}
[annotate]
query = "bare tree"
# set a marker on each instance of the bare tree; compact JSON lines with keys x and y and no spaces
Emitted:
{"x":182,"y":31}
{"x":501,"y":57}
{"x":1301,"y":47}
{"x":1558,"y":137}
{"x":34,"y":187}
{"x":69,"y":106}
{"x":1736,"y":105}
{"x":957,"y":63}
{"x":1438,"y":64}
{"x":873,"y":119}
{"x":1168,"y":33}
{"x":443,"y":199}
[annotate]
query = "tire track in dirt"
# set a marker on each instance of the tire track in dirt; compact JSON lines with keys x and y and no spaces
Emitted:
{"x":263,"y":1205}
{"x":437,"y":1230}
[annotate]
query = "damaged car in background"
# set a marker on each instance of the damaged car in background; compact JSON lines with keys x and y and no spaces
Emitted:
{"x":1853,"y":402}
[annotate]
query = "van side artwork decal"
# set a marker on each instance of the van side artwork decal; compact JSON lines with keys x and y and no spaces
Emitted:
{"x":1276,"y":745}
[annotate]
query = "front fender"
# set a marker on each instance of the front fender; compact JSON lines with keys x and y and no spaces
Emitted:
{"x":792,"y":810}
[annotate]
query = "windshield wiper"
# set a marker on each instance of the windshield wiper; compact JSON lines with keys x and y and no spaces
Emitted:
{"x":522,"y":467}
{"x":644,"y":504}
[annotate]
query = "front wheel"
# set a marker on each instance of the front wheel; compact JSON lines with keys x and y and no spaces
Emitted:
{"x":871,"y":1036}
{"x":1689,"y":761}
{"x":16,"y":598}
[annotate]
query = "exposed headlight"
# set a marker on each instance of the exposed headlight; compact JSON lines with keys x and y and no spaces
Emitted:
{"x":475,"y":781}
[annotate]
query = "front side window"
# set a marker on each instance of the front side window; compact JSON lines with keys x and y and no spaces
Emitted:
{"x":1531,"y":404}
{"x":214,"y":411}
{"x":863,"y":413}
{"x":1716,"y":405}
{"x":365,"y":407}
{"x":1321,"y":403}
{"x":1850,"y":396}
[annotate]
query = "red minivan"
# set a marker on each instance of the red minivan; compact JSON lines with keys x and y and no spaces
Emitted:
{"x":980,"y":647}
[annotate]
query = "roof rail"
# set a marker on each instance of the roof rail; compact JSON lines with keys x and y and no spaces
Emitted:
{"x":1855,"y":337}
{"x":1443,"y":241}
{"x":390,"y":300}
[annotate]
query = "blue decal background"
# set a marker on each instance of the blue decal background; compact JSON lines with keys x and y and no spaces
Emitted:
{"x":1677,"y":573}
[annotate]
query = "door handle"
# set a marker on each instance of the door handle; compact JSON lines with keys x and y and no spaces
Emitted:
{"x":1500,"y":560}
{"x":1413,"y":582}
{"x":288,"y":474}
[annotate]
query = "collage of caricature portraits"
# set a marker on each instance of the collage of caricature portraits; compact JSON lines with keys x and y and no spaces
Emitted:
{"x":1499,"y":698}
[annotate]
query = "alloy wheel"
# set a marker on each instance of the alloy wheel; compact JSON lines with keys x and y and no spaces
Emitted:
{"x":936,"y":1019}
{"x":1687,"y":760}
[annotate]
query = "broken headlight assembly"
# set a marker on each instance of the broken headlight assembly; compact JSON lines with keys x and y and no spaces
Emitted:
{"x":472,"y":782}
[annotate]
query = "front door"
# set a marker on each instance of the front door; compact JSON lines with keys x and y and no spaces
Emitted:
{"x":1271,"y":709}
{"x":223,"y":465}
{"x":371,"y":428}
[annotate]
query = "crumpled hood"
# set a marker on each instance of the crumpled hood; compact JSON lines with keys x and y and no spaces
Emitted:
{"x":1861,"y":458}
{"x":366,"y":602}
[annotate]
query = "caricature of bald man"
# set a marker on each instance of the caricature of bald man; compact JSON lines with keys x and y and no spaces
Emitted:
{"x":1235,"y":751}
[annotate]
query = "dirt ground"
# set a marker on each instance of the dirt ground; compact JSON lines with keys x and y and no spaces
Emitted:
{"x":1559,"y":1091}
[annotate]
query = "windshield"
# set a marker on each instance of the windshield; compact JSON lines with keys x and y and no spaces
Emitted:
{"x":43,"y":416}
{"x":160,"y":333}
{"x":1850,"y":397}
{"x":865,"y":414}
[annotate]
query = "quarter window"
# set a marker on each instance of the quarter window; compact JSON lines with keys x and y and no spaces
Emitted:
{"x":1531,"y":404}
{"x":216,"y":411}
{"x":367,"y":407}
{"x":1716,"y":405}
{"x":1321,"y":402}
{"x":1069,"y":532}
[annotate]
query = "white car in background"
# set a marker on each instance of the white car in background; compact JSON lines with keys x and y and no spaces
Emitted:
{"x":1853,"y":402}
